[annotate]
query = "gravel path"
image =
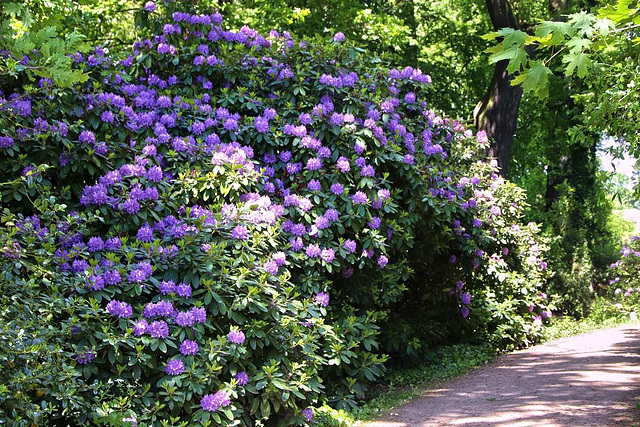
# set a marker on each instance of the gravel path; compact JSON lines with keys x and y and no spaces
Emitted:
{"x":587,"y":380}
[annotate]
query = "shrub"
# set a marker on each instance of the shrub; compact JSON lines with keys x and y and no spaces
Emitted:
{"x":177,"y":320}
{"x":623,"y":289}
{"x":231,"y":225}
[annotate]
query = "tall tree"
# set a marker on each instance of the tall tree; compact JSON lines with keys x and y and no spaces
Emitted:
{"x":497,"y":111}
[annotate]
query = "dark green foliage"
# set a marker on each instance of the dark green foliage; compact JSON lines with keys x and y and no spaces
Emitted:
{"x":396,"y":294}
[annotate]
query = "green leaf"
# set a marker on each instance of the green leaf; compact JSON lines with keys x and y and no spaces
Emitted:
{"x":604,"y":25}
{"x":557,"y":30}
{"x":535,"y":79}
{"x":583,"y":22}
{"x":24,"y":45}
{"x":578,"y":44}
{"x":490,"y":36}
{"x":579,"y":61}
{"x":623,"y":12}
{"x":512,"y":36}
{"x":517,"y":57}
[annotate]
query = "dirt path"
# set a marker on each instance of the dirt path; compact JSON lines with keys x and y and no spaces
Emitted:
{"x":586,"y":380}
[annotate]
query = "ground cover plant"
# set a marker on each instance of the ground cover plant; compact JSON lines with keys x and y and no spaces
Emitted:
{"x":226,"y":228}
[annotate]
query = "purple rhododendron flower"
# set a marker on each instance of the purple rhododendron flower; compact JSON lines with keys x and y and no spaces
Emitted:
{"x":350,"y":246}
{"x":337,"y":188}
{"x":140,"y":327}
{"x":111,"y":277}
{"x":331,"y":214}
{"x":107,"y":117}
{"x":307,"y":414}
{"x":382,"y":261}
{"x":261,"y":124}
{"x":322,"y":299}
{"x":296,"y":244}
{"x":154,"y":174}
{"x":84,"y":358}
{"x":137,"y":276}
{"x":271,"y":267}
{"x":343,"y":164}
{"x":465,"y":298}
{"x":384,"y":194}
{"x":119,"y":309}
{"x":410,"y":98}
{"x":79,"y":266}
{"x":188,"y":347}
{"x":236,"y":337}
{"x":314,"y":164}
{"x":280,"y":258}
{"x":174,"y":367}
{"x":145,"y":233}
{"x":314,"y":185}
{"x":87,"y":136}
{"x":328,"y":255}
{"x":360,"y":198}
{"x":183,"y":290}
{"x":199,"y":314}
{"x":347,"y":272}
{"x":158,"y":329}
{"x":131,"y":206}
{"x":313,"y":251}
{"x":368,"y":171}
{"x":374,"y":223}
{"x":6,"y":142}
{"x":212,"y":402}
{"x":184,"y":319}
{"x":240,"y":232}
{"x":321,"y":223}
{"x":95,"y":244}
{"x":242,"y":378}
{"x":167,"y":287}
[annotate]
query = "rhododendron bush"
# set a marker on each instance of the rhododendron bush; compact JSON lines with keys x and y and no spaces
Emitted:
{"x":223,"y":227}
{"x":624,"y":286}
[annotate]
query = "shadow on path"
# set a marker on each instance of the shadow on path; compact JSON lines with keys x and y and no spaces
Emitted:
{"x":586,"y":380}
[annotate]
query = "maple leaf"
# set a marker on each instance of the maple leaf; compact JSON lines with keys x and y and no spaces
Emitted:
{"x":577,"y":61}
{"x":535,"y":79}
{"x":557,"y":30}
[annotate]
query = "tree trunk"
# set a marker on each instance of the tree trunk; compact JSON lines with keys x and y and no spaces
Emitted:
{"x":413,"y":24}
{"x":497,"y":112}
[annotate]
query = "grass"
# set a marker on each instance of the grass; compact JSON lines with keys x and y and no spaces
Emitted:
{"x":567,"y":327}
{"x":451,"y":361}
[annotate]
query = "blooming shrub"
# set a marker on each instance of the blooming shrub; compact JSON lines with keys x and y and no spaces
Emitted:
{"x":624,"y":284}
{"x":233,"y":224}
{"x":184,"y":314}
{"x":494,"y":278}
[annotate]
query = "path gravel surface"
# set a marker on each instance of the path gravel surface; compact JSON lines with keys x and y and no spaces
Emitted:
{"x":586,"y":380}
